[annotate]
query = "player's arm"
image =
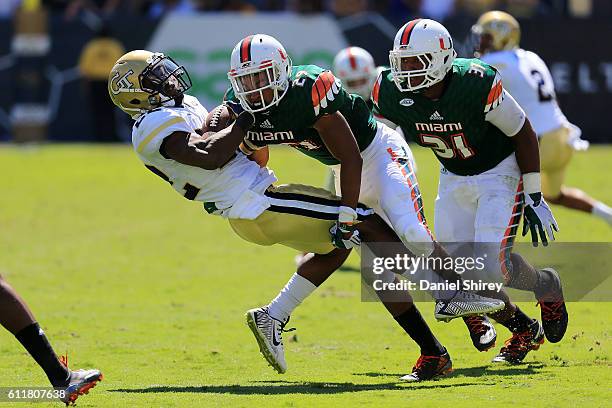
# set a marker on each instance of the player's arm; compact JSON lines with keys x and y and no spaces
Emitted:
{"x":260,"y":156}
{"x":506,"y":114}
{"x":339,"y":140}
{"x":210,"y":153}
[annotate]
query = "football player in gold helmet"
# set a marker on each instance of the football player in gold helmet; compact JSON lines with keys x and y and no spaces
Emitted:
{"x":143,"y":80}
{"x":526,"y":76}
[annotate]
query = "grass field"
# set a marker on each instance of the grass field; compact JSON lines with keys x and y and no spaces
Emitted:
{"x":130,"y":278}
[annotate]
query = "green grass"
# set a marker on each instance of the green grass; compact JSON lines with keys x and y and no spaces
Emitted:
{"x":128,"y":277}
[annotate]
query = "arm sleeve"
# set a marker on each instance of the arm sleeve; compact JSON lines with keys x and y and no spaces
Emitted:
{"x":502,"y":110}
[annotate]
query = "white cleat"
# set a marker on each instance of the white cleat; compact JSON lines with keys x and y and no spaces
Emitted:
{"x":268,"y":333}
{"x":79,"y":383}
{"x":466,"y":304}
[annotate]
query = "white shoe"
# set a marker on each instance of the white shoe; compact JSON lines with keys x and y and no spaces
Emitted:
{"x":79,"y":383}
{"x":466,"y":304}
{"x":268,"y":333}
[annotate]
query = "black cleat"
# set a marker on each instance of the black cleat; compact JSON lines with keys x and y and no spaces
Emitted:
{"x":430,"y":367}
{"x":552,"y":309}
{"x":481,"y":331}
{"x":516,"y":348}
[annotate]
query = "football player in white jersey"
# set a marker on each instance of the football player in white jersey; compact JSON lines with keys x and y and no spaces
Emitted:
{"x":528,"y":79}
{"x":150,"y":87}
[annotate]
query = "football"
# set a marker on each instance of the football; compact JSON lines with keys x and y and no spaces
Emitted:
{"x":217,"y":119}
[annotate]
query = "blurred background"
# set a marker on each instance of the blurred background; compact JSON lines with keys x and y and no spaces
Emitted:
{"x":55,"y":55}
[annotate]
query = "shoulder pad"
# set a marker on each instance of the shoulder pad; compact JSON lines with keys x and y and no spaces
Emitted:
{"x":324,"y":90}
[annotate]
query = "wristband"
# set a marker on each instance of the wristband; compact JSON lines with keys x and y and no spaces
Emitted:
{"x":532,"y":183}
{"x":346,"y":215}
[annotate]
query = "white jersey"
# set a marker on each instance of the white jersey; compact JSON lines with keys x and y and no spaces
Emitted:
{"x":527,"y":78}
{"x":239,"y":180}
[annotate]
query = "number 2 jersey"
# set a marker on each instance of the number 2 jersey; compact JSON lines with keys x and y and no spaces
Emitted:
{"x":468,"y":128}
{"x":224,"y":186}
{"x":529,"y":81}
{"x":313,"y":92}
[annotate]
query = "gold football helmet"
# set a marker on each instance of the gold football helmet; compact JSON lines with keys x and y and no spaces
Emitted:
{"x":142,"y":80}
{"x":496,"y":31}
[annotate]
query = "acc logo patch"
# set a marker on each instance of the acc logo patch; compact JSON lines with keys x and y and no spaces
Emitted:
{"x":121,"y":84}
{"x":406,"y":102}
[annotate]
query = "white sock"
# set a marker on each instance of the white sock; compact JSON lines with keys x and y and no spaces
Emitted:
{"x":295,"y":291}
{"x":602,"y":211}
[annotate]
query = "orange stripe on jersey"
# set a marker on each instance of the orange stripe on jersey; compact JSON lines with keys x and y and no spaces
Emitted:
{"x":408,"y":31}
{"x":376,"y":89}
{"x":322,"y":85}
{"x":245,"y":49}
{"x":495,"y":92}
{"x":317,"y":92}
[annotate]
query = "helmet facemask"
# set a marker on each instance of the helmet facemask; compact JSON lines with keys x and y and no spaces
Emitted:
{"x":165,"y":77}
{"x":431,"y":68}
{"x":252,"y":85}
{"x":361,"y":85}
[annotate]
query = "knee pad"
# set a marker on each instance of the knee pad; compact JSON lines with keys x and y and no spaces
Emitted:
{"x":417,"y":238}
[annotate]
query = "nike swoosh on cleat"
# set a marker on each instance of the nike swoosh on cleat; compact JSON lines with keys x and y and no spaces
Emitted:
{"x":274,"y":340}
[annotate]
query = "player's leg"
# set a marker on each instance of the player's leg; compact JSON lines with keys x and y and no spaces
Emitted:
{"x":303,"y":210}
{"x":434,"y":360}
{"x":501,"y":199}
{"x":18,"y":319}
{"x":455,"y":215}
{"x":517,"y":272}
{"x":400,"y":200}
{"x":555,"y":156}
{"x":300,"y":218}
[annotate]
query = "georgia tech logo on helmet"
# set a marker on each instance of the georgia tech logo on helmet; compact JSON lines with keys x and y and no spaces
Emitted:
{"x":121,"y":84}
{"x":406,"y":102}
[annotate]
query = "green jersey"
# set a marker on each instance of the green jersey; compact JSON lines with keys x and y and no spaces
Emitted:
{"x":313,"y":92}
{"x":454,"y":126}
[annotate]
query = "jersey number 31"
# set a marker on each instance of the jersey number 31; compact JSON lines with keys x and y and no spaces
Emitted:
{"x":459,"y":147}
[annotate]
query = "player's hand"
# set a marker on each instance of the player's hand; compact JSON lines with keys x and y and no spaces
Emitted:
{"x":343,"y":232}
{"x":244,"y":118}
{"x":344,"y":236}
{"x":538,"y":219}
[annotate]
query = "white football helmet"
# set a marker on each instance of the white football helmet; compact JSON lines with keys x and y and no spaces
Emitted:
{"x":259,"y":62}
{"x":431,"y":44}
{"x":355,"y":68}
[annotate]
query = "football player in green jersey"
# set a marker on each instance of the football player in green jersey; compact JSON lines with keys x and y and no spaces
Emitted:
{"x":307,"y":108}
{"x":355,"y":67}
{"x":490,"y":167}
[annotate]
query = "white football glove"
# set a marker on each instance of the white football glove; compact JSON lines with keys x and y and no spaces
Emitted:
{"x":344,"y":236}
{"x":538,"y":219}
{"x":343,"y":233}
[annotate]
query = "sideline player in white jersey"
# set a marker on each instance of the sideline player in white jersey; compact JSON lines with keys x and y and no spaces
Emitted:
{"x":355,"y":67}
{"x":150,"y":87}
{"x":527,"y":78}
